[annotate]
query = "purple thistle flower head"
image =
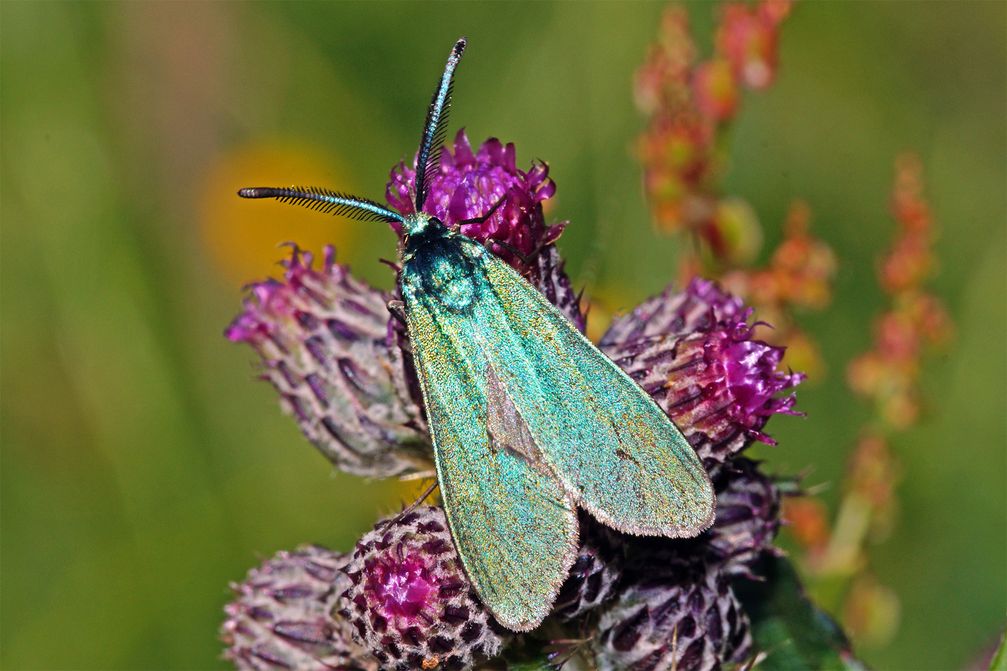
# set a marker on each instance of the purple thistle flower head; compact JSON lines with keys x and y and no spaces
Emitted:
{"x":694,"y":352}
{"x":748,"y":369}
{"x":409,"y":601}
{"x":469,"y":184}
{"x":401,"y":586}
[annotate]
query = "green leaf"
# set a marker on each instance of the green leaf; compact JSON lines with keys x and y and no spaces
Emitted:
{"x":790,"y":632}
{"x":999,"y":662}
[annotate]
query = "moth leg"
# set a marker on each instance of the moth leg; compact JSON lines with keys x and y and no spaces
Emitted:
{"x":525,"y":258}
{"x":419,"y":475}
{"x":483,"y":218}
{"x":415,"y":504}
{"x":397,"y":309}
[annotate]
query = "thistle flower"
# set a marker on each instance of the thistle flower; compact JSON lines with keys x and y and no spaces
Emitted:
{"x":280,"y":616}
{"x":469,"y":185}
{"x":717,"y":383}
{"x":409,"y":601}
{"x":323,"y":339}
{"x":682,"y":616}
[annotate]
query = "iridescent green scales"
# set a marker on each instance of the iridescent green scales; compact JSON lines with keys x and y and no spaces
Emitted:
{"x":529,"y":420}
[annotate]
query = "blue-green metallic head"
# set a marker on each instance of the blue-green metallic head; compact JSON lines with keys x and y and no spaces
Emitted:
{"x":419,"y":222}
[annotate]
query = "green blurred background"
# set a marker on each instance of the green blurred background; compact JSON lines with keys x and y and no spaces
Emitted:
{"x":143,"y":468}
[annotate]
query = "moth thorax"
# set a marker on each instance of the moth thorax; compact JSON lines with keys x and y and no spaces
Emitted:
{"x":448,"y":280}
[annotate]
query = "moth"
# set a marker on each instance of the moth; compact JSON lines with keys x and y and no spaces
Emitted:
{"x":529,"y":420}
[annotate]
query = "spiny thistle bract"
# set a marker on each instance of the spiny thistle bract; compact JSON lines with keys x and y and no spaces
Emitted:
{"x":341,"y":363}
{"x":748,"y":517}
{"x":596,"y":572}
{"x":324,"y":340}
{"x":680,"y":615}
{"x":280,"y":617}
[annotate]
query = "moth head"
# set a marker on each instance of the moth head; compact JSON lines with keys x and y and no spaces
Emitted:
{"x":419,"y":222}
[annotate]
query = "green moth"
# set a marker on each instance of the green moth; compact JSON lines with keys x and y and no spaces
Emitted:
{"x":529,"y":420}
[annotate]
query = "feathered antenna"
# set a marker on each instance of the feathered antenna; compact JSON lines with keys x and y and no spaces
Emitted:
{"x":428,"y":159}
{"x":325,"y":200}
{"x":427,"y":162}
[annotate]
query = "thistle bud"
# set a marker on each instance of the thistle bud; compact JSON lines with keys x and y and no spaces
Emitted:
{"x":323,"y":339}
{"x":409,"y":600}
{"x":717,"y":382}
{"x":280,"y":617}
{"x":682,"y":616}
{"x":594,"y":577}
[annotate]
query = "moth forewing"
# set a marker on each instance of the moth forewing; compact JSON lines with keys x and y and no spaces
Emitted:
{"x":612,"y":447}
{"x":514,"y":524}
